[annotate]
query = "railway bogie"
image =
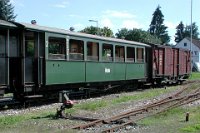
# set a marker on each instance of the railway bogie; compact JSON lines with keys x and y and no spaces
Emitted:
{"x":36,"y":61}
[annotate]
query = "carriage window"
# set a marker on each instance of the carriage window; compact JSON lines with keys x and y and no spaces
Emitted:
{"x":2,"y":46}
{"x":107,"y":52}
{"x":57,"y":48}
{"x":92,"y":51}
{"x":14,"y":47}
{"x":140,"y":55}
{"x":76,"y":49}
{"x":119,"y":53}
{"x":130,"y":54}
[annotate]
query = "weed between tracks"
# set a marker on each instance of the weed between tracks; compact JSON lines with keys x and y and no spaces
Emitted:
{"x":195,"y":75}
{"x":173,"y":121}
{"x":96,"y":105}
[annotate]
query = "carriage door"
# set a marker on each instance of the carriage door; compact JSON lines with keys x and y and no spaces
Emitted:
{"x":29,"y":61}
{"x":3,"y":61}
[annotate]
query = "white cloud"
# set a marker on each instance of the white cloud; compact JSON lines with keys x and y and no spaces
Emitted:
{"x":118,"y":14}
{"x":171,"y":25}
{"x":106,"y":22}
{"x":130,"y":24}
{"x":63,"y":4}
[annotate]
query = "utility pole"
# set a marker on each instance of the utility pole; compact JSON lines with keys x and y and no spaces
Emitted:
{"x":97,"y":25}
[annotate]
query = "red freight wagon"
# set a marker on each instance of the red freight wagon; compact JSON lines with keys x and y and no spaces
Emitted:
{"x":162,"y":61}
{"x":184,"y":62}
{"x":168,"y":64}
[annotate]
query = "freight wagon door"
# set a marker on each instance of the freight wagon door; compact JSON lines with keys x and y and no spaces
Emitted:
{"x":168,"y":62}
{"x":158,"y":62}
{"x":175,"y":62}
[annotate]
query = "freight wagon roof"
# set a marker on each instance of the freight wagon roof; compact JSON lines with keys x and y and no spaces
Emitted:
{"x":6,"y":23}
{"x":63,"y":31}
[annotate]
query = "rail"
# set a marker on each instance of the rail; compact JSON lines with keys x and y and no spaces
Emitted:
{"x":119,"y":121}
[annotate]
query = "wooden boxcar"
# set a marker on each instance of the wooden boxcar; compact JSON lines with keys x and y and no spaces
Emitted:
{"x":168,"y":64}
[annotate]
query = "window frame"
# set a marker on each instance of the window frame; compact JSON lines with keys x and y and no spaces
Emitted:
{"x":112,"y":52}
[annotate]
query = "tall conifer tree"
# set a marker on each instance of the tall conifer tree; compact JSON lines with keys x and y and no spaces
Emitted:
{"x":7,"y":11}
{"x":179,"y":35}
{"x":157,"y":28}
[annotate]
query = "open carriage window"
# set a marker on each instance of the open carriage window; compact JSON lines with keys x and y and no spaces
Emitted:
{"x":107,"y":52}
{"x":57,"y":48}
{"x":76,"y":49}
{"x":92,"y":51}
{"x":140,"y":55}
{"x":130,"y":54}
{"x":119,"y":53}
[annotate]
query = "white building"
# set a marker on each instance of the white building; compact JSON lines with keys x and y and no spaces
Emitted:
{"x":194,"y":47}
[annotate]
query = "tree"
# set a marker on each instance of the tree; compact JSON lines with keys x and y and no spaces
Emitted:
{"x":7,"y":11}
{"x":137,"y":35}
{"x":195,"y":33}
{"x":157,"y":27}
{"x":122,"y":34}
{"x":185,"y":31}
{"x":179,"y":35}
{"x":105,"y":31}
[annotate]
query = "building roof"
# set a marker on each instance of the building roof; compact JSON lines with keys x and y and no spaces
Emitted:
{"x":194,"y":41}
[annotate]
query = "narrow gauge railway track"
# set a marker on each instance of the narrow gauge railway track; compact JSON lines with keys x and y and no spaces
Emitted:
{"x":122,"y":120}
{"x":12,"y":103}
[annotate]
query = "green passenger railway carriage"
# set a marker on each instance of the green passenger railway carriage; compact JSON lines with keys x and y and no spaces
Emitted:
{"x":36,"y":60}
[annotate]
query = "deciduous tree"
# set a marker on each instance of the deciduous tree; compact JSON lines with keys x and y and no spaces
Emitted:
{"x":137,"y":35}
{"x":105,"y":31}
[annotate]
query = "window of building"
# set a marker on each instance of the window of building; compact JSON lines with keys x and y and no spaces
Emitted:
{"x":92,"y":51}
{"x":185,"y":44}
{"x":76,"y":49}
{"x":107,"y":52}
{"x":130,"y":54}
{"x":140,"y":55}
{"x":57,"y":48}
{"x":119,"y":53}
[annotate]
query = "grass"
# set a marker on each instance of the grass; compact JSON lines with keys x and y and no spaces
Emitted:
{"x":8,"y":121}
{"x":11,"y":120}
{"x":141,"y":96}
{"x":174,"y":121}
{"x":195,"y":75}
{"x":45,"y":117}
{"x":92,"y":106}
{"x":192,"y":128}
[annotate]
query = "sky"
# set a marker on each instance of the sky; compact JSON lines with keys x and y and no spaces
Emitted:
{"x":115,"y":14}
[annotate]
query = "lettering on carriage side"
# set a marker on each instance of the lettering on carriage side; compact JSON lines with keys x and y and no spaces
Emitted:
{"x":46,"y":43}
{"x":107,"y":70}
